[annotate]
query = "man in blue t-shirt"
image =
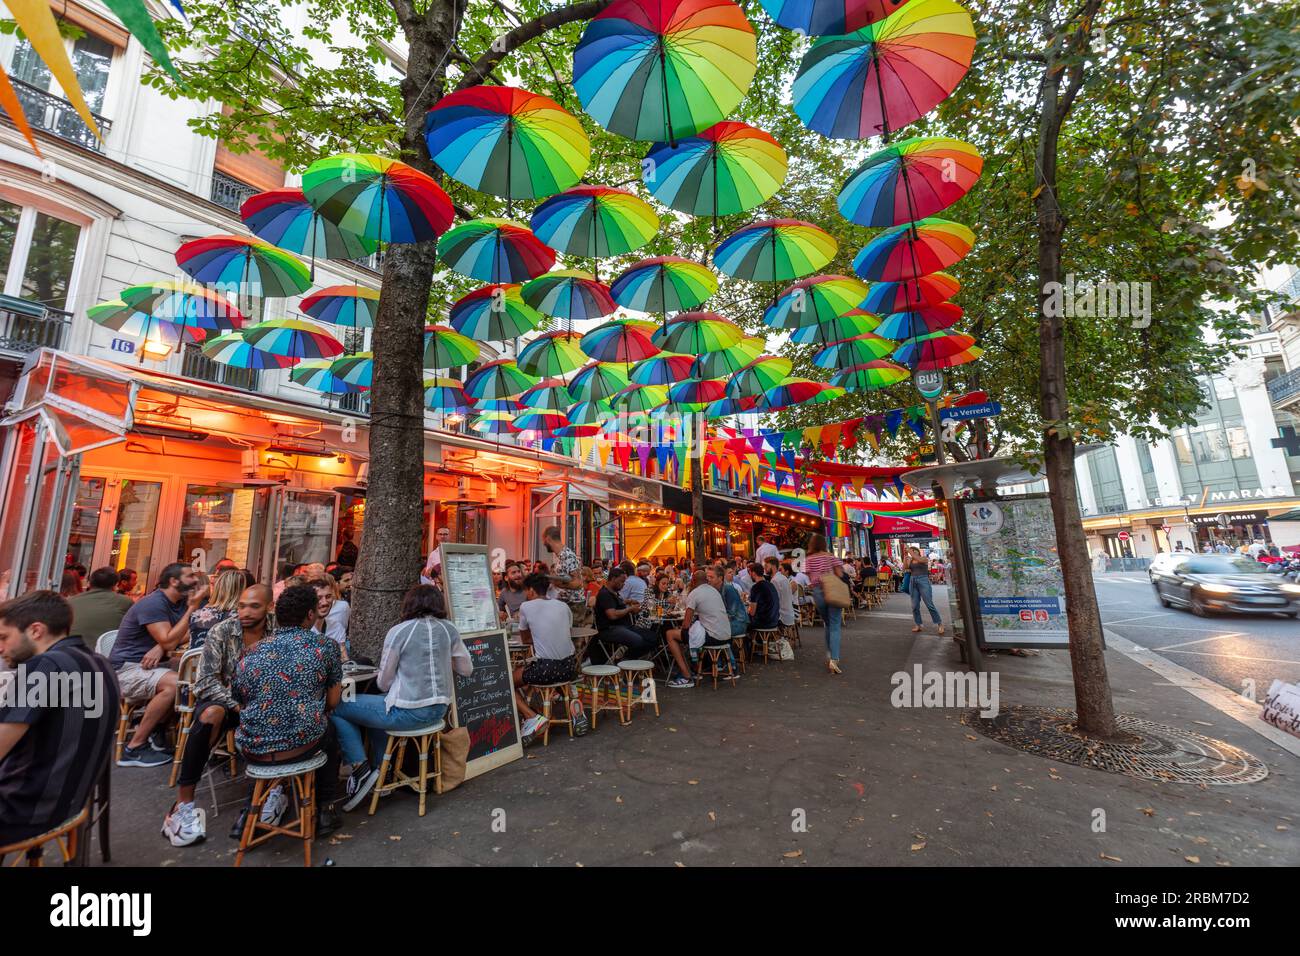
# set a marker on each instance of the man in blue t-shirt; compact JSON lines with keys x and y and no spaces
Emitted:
{"x":764,"y":602}
{"x":157,"y":624}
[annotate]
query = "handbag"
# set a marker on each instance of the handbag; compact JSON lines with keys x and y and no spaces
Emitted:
{"x":906,"y":586}
{"x":787,"y":652}
{"x":835,"y":592}
{"x":454,"y":744}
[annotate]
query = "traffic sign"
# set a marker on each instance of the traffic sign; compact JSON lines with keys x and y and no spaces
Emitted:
{"x":929,"y":382}
{"x":1166,"y":528}
{"x":961,"y":413}
{"x":1123,"y":536}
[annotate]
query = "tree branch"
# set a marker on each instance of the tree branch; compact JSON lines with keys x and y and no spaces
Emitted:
{"x":513,"y":39}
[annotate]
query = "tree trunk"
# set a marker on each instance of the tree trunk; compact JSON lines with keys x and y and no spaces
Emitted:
{"x":697,"y":495}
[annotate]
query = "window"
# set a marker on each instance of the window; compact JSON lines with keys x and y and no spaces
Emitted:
{"x":1183,"y":448}
{"x":38,"y":253}
{"x":1209,"y":443}
{"x":45,"y":102}
{"x":1238,"y":443}
{"x":1223,"y":387}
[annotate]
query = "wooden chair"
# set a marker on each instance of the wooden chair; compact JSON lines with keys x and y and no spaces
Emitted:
{"x":428,"y":740}
{"x":740,"y":651}
{"x":714,"y":652}
{"x":762,"y":641}
{"x":300,"y":780}
{"x":67,"y":835}
{"x":605,"y":676}
{"x":128,"y":711}
{"x":649,"y":690}
{"x":550,"y":693}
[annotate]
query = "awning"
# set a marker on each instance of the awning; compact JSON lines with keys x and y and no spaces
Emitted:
{"x":887,"y":526}
{"x":85,"y":404}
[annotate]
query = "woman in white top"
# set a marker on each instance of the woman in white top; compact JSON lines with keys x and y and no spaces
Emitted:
{"x":415,"y":669}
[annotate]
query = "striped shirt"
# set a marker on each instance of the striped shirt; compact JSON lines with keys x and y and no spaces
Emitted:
{"x":823,"y":562}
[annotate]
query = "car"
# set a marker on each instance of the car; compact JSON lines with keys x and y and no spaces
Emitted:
{"x":1211,"y":583}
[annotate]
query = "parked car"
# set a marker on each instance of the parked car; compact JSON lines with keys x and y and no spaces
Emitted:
{"x":1210,"y":583}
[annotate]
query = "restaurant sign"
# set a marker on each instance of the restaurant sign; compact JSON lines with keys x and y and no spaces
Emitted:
{"x":1226,"y":518}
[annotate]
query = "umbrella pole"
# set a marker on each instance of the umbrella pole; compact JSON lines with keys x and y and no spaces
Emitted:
{"x":668,"y":109}
{"x":715,"y":190}
{"x":510,"y":155}
{"x":312,"y":275}
{"x":144,"y":341}
{"x":880,"y":89}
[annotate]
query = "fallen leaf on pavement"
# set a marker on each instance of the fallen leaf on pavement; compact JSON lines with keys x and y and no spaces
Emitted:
{"x":394,"y":838}
{"x":917,"y":846}
{"x":792,"y":854}
{"x":1113,"y":859}
{"x":692,"y":782}
{"x":1149,"y":811}
{"x":1192,"y":859}
{"x":712,"y":815}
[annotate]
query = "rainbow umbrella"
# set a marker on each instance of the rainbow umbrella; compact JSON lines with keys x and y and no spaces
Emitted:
{"x":663,"y":284}
{"x":619,"y":341}
{"x":725,"y":407}
{"x":728,"y":168}
{"x":854,"y":351}
{"x":597,"y":382}
{"x":294,"y":339}
{"x":245,"y":264}
{"x":695,"y":393}
{"x":887,"y":74}
{"x":664,"y":369}
{"x":819,"y":299}
{"x":352,"y":306}
{"x":869,"y":376}
{"x":575,"y":431}
{"x":540,"y":421}
{"x":356,"y":369}
{"x":120,"y":317}
{"x":445,"y":394}
{"x":886,"y":297}
{"x":765,"y":372}
{"x":497,"y":380}
{"x":828,"y":17}
{"x":913,"y":249}
{"x":548,"y":395}
{"x":284,"y":217}
{"x":233,"y":349}
{"x":590,"y":413}
{"x":663,"y":69}
{"x":937,"y":350}
{"x":856,"y":322}
{"x":494,"y":313}
{"x":727,"y":361}
{"x":493,"y":423}
{"x":774,"y":250}
{"x":639,"y":398}
{"x":552,"y":353}
{"x":446,"y":348}
{"x":797,"y":391}
{"x":507,"y":141}
{"x":184,"y":304}
{"x":495,"y":250}
{"x":909,"y":180}
{"x":909,"y":325}
{"x":506,"y":406}
{"x":318,"y":375}
{"x":568,"y":294}
{"x":595,"y":221}
{"x":693,"y":333}
{"x":378,"y":198}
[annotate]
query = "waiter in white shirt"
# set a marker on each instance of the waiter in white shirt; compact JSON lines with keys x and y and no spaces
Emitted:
{"x":766,"y":549}
{"x":435,"y":559}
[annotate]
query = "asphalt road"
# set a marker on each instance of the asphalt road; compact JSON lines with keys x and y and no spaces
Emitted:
{"x":1228,"y":649}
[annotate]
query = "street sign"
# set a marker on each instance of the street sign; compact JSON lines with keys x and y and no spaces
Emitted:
{"x":1123,"y":536}
{"x":929,"y":382}
{"x":1166,"y":528}
{"x":963,"y":413}
{"x":123,"y":345}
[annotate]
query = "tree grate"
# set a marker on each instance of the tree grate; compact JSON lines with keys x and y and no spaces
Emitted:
{"x":1154,"y":752}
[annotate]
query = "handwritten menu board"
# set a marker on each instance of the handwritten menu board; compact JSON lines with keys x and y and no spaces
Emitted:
{"x":467,"y":587}
{"x":485,"y":705}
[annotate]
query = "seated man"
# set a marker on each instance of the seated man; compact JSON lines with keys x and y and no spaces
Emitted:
{"x":157,"y":624}
{"x":285,"y":686}
{"x":705,"y":622}
{"x":51,"y":754}
{"x":215,"y":709}
{"x":779,"y":574}
{"x":613,"y":618}
{"x":633,"y":589}
{"x":764,"y":602}
{"x":546,"y":624}
{"x":99,"y":609}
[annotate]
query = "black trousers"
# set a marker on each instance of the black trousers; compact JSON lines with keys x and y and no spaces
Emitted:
{"x":199,"y":747}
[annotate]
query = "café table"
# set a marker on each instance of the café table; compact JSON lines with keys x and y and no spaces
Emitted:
{"x":357,"y":677}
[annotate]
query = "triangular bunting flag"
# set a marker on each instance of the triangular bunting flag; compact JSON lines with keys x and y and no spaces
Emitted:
{"x":36,"y":20}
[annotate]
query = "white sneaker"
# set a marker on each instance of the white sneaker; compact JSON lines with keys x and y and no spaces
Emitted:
{"x":533,"y":725}
{"x":185,"y":824}
{"x":275,"y":805}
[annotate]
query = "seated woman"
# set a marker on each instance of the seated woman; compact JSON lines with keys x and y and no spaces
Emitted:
{"x":226,"y":588}
{"x":420,"y":654}
{"x":659,"y":601}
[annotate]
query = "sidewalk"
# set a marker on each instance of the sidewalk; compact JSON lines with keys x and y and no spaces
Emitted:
{"x":724,"y":777}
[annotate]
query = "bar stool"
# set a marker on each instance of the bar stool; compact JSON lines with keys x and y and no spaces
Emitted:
{"x":66,"y":835}
{"x":791,"y":633}
{"x":551,"y":693}
{"x":607,"y":676}
{"x":649,"y":691}
{"x":713,"y":652}
{"x":738,"y":648}
{"x":301,"y":775}
{"x":427,"y":738}
{"x":764,"y":636}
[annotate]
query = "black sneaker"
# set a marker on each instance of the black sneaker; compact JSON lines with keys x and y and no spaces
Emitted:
{"x":158,"y":741}
{"x":144,"y":756}
{"x":237,"y":831}
{"x":328,"y":820}
{"x":360,"y":783}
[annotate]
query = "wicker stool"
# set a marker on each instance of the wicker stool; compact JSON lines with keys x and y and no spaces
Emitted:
{"x":66,"y":835}
{"x":713,"y":652}
{"x":428,"y":738}
{"x":607,"y":676}
{"x":551,"y":693}
{"x":649,"y":691}
{"x":301,"y":777}
{"x":791,"y":633}
{"x":738,"y":649}
{"x":763,"y":637}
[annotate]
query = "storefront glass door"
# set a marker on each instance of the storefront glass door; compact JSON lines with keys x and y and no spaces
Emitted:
{"x":219,"y":523}
{"x":135,"y":521}
{"x":85,"y":522}
{"x":306,"y":530}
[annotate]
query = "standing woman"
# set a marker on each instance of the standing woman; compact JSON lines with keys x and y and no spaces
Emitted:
{"x":919,"y":575}
{"x":820,"y":562}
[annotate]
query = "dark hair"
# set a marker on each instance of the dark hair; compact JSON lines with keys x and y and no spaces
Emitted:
{"x":816,"y":543}
{"x":38,"y":607}
{"x":126,"y":574}
{"x":172,"y":572}
{"x":294,"y":604}
{"x":627,"y":567}
{"x":538,"y":582}
{"x":249,"y":577}
{"x":103,"y":578}
{"x":70,"y":583}
{"x":552,"y":534}
{"x":615,"y":574}
{"x":423,"y":600}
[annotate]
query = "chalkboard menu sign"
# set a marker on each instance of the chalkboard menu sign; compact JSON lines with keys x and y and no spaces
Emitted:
{"x":467,"y":587}
{"x":485,"y":704}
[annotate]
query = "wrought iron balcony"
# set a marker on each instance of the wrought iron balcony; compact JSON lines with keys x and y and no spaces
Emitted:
{"x":194,"y":364}
{"x":356,"y":403}
{"x":27,"y":326}
{"x":56,"y":115}
{"x":230,"y":192}
{"x":1284,"y":389}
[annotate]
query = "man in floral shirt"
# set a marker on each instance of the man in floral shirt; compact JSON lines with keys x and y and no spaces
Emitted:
{"x":285,"y":686}
{"x":566,"y":575}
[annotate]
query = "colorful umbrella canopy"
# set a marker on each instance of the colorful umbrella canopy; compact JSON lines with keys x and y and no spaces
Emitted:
{"x":819,"y":299}
{"x":663,"y":69}
{"x":498,"y":379}
{"x":548,"y":395}
{"x":505,"y":406}
{"x":728,"y":168}
{"x":495,"y":250}
{"x":595,"y":221}
{"x":797,"y":391}
{"x":356,"y":369}
{"x":913,"y":249}
{"x":295,"y":339}
{"x":846,"y":326}
{"x":908,"y":180}
{"x":507,"y":141}
{"x":352,"y":306}
{"x":828,"y":17}
{"x":552,"y":353}
{"x":664,"y":284}
{"x":378,"y":198}
{"x":937,"y":350}
{"x":445,"y":394}
{"x":696,"y":393}
{"x":597,"y":382}
{"x":639,"y":398}
{"x":664,"y":369}
{"x":184,"y":304}
{"x":724,"y":407}
{"x":318,"y":374}
{"x":887,"y":74}
{"x":540,"y":421}
{"x":493,"y":423}
{"x":232,"y":349}
{"x":765,"y":372}
{"x":909,"y":325}
{"x":886,"y":297}
{"x":590,"y":413}
{"x":568,"y":294}
{"x":774,"y":250}
{"x":572,"y":430}
{"x":120,"y":317}
{"x":620,"y":340}
{"x":494,"y":313}
{"x":446,"y":348}
{"x":692,"y":333}
{"x":727,"y":361}
{"x":284,"y":217}
{"x":251,"y":266}
{"x":854,"y":351}
{"x":869,"y":376}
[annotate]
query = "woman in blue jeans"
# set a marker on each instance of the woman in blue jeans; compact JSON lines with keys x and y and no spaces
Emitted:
{"x":816,"y":565}
{"x":918,"y":570}
{"x":415,"y":669}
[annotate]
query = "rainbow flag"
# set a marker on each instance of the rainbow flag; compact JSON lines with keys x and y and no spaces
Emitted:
{"x":833,"y":513}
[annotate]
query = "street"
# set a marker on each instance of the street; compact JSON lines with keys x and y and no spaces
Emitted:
{"x":1225,"y":649}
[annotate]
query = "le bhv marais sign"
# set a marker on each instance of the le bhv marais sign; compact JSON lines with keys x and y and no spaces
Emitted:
{"x":1214,"y":497}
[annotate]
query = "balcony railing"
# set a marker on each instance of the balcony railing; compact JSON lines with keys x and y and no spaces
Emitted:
{"x":56,"y":115}
{"x":355,"y":403}
{"x":230,"y":192}
{"x":194,"y":364}
{"x":1285,"y":387}
{"x":27,"y":326}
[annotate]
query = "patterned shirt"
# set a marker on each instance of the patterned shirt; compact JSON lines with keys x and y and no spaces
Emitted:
{"x":222,"y":650}
{"x":566,"y":566}
{"x":280,"y":685}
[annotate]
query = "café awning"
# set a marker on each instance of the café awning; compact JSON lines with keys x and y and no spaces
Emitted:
{"x":84,"y":404}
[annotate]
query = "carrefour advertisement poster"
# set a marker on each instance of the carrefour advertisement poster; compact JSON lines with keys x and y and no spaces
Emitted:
{"x":1017,"y":572}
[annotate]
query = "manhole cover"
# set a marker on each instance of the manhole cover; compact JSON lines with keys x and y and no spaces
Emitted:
{"x":1158,"y":752}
